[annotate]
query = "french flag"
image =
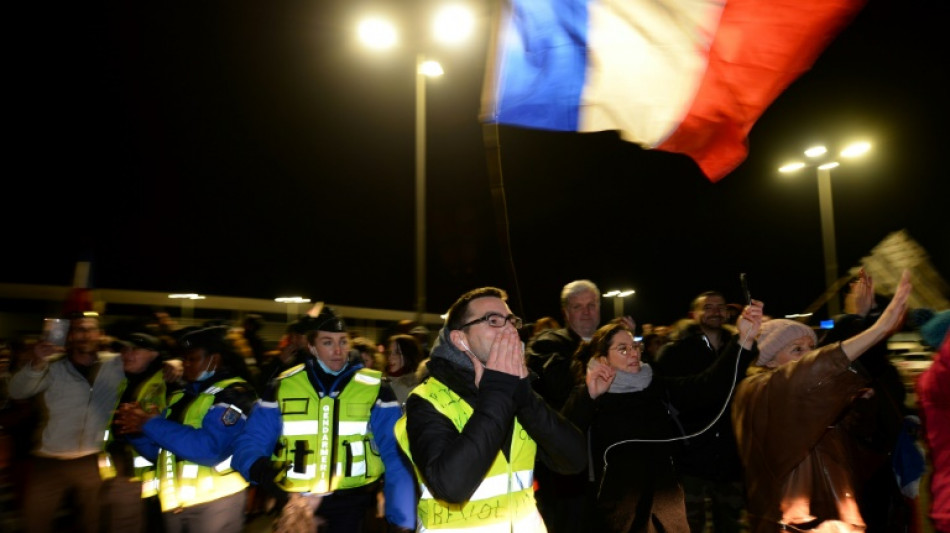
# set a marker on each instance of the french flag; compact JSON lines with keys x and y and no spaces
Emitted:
{"x":685,"y":76}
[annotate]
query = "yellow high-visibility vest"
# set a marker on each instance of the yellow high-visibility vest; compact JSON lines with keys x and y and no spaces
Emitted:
{"x":326,"y":443}
{"x":183,"y":483}
{"x":503,"y":502}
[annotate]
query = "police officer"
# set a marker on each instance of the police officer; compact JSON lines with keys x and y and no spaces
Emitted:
{"x":192,"y":441}
{"x":130,"y":483}
{"x":325,"y":430}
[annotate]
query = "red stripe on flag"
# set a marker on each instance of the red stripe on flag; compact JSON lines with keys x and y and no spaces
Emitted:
{"x":760,"y":48}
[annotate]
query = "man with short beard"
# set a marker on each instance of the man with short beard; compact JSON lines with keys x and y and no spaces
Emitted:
{"x":78,"y":392}
{"x":709,"y":464}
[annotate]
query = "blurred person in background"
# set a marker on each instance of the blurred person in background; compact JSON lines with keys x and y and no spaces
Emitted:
{"x":403,"y":356}
{"x":933,"y":397}
{"x":251,"y":327}
{"x":18,"y":423}
{"x":786,"y":414}
{"x":290,"y":352}
{"x":365,"y":352}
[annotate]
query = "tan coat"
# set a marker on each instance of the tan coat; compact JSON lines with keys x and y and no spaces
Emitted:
{"x":793,"y":451}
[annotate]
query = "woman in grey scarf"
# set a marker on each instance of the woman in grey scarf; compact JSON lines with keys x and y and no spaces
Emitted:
{"x":630,"y":418}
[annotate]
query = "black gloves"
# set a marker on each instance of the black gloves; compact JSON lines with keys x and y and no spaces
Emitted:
{"x":263,"y":474}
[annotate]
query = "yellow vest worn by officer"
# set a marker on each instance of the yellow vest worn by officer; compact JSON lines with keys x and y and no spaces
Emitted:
{"x":150,"y":396}
{"x":503,"y":502}
{"x":326,"y":443}
{"x":184,"y":483}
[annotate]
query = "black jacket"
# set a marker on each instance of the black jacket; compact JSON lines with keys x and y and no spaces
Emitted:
{"x":549,"y":355}
{"x":636,"y":484}
{"x":714,"y":454}
{"x":453,"y":464}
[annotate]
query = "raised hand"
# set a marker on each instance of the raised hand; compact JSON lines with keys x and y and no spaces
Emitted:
{"x":41,"y":352}
{"x":894,"y":312}
{"x":885,"y":325}
{"x":749,"y":323}
{"x":860,"y":297}
{"x":599,"y":378}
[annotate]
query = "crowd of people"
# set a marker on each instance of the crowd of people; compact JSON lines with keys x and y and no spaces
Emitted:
{"x":729,"y":420}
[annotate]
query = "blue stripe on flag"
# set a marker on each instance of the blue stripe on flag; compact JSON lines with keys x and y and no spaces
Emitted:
{"x":543,"y":65}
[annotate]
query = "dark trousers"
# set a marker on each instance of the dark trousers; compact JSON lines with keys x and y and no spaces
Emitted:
{"x":726,"y":502}
{"x":122,"y":504}
{"x":224,"y":515}
{"x":566,"y":502}
{"x":344,"y":511}
{"x":49,"y":484}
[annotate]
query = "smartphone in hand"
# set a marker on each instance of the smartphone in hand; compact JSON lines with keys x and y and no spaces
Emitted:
{"x":746,"y":295}
{"x":55,"y":330}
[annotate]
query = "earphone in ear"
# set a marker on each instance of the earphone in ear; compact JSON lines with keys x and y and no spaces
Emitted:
{"x":465,"y":347}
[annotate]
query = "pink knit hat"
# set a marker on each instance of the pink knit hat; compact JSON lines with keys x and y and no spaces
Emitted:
{"x":777,"y":334}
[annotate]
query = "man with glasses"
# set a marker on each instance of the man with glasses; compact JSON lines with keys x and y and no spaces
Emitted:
{"x":709,"y":464}
{"x":475,"y":426}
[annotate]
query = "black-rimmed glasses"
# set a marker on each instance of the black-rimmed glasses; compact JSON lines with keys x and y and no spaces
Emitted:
{"x":496,"y":320}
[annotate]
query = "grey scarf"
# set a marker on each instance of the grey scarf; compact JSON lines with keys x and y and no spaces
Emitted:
{"x":627,"y":381}
{"x":443,"y":348}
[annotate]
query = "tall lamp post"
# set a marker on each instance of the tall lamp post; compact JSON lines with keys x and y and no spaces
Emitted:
{"x":823,"y":164}
{"x":618,"y":297}
{"x":451,"y":24}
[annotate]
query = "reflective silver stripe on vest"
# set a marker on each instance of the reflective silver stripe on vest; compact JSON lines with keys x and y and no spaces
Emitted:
{"x":189,"y":471}
{"x":309,"y":474}
{"x":363,"y":378}
{"x":352,"y":428}
{"x":311,"y":427}
{"x":494,"y":486}
{"x":223,"y":465}
{"x":141,"y":462}
{"x":301,"y":427}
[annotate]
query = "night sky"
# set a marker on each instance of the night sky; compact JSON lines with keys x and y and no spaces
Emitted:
{"x":254,"y":149}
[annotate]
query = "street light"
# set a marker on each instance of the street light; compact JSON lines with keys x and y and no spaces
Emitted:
{"x":618,"y":297}
{"x":823,"y":165}
{"x":452,"y":24}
